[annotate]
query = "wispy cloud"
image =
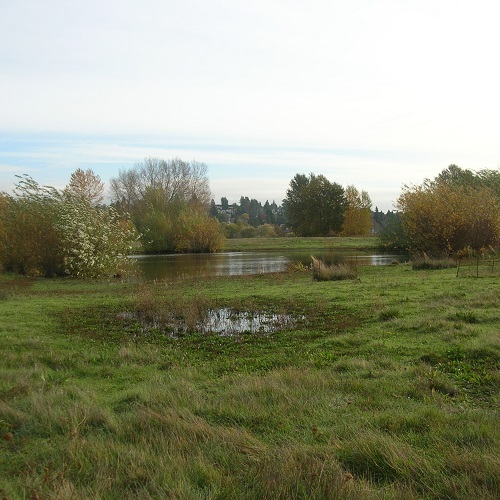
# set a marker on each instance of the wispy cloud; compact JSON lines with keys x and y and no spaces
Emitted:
{"x":372,"y":93}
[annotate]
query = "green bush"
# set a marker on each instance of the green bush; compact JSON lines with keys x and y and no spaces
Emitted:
{"x":50,"y":233}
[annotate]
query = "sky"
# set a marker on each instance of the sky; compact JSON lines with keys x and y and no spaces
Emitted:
{"x":372,"y":93}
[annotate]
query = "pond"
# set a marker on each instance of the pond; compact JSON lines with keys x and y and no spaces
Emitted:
{"x":173,"y":266}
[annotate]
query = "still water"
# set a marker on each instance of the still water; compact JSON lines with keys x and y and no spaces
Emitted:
{"x":238,"y":263}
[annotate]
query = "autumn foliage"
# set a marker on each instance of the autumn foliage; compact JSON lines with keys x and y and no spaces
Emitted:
{"x":47,"y":232}
{"x":450,"y":213}
{"x":168,"y":201}
{"x":358,"y":214}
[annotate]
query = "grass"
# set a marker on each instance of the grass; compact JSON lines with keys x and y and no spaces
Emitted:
{"x":386,"y":387}
{"x":425,"y":263}
{"x":333,"y":272}
{"x":299,"y":243}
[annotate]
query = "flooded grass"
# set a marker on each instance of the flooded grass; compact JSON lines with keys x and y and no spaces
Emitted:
{"x":223,"y":321}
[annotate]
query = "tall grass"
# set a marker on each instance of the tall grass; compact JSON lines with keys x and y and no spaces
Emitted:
{"x":388,"y":390}
{"x":334,"y":272}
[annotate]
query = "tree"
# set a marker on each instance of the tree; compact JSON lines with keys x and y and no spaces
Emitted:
{"x":357,"y":216}
{"x":85,"y":185}
{"x":163,"y":194}
{"x":450,"y":213}
{"x":314,"y":206}
{"x":171,"y":179}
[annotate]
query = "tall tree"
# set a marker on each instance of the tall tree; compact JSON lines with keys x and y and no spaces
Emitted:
{"x":358,"y":216}
{"x":172,"y":179}
{"x":86,"y":185}
{"x":314,"y":206}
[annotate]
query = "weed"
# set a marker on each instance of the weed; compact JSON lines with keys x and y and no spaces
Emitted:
{"x":334,"y":272}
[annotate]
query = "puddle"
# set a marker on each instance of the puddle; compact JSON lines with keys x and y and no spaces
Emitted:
{"x":228,"y":322}
{"x":224,"y":321}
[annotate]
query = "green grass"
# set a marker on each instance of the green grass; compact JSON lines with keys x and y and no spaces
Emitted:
{"x":298,"y":243}
{"x":386,"y":387}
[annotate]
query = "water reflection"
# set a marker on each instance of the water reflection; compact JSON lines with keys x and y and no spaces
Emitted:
{"x":244,"y":263}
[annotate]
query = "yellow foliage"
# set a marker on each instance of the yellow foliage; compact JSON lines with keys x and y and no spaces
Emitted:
{"x":441,"y":217}
{"x":358,"y":215}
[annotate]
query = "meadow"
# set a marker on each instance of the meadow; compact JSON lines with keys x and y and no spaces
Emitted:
{"x":384,"y":386}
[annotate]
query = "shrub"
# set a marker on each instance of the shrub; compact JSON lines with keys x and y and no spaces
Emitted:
{"x":95,"y":240}
{"x":325,"y":272}
{"x":48,"y":232}
{"x":442,"y":216}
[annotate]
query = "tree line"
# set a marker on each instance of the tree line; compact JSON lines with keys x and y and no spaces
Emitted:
{"x":313,"y":207}
{"x":165,"y":206}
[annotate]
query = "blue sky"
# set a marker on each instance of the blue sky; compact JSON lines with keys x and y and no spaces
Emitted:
{"x":377,"y":94}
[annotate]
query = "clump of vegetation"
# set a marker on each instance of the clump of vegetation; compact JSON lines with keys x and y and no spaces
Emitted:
{"x":456,"y":210}
{"x":168,"y":201}
{"x":388,"y":314}
{"x":334,"y":272}
{"x":63,"y":233}
{"x":424,"y":262}
{"x":297,"y":267}
{"x":466,"y":317}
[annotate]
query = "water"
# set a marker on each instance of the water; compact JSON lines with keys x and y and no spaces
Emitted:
{"x":173,"y":266}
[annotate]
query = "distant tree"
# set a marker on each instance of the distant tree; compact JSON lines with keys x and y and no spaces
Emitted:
{"x":213,"y":210}
{"x":224,"y":203}
{"x":357,"y":216}
{"x":255,"y":212}
{"x":172,"y":180}
{"x":86,"y":185}
{"x":314,"y":206}
{"x":270,"y":218}
{"x":391,"y":233}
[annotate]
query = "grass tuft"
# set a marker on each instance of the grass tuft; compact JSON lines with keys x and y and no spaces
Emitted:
{"x":334,"y":272}
{"x":426,"y":263}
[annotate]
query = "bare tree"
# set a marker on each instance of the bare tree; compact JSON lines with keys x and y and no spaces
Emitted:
{"x":175,"y":179}
{"x":87,"y":185}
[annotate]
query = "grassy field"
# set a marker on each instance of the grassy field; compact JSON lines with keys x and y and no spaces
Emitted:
{"x":381,"y":387}
{"x":296,"y":243}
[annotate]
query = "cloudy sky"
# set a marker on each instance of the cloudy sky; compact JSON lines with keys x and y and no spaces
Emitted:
{"x":374,"y":93}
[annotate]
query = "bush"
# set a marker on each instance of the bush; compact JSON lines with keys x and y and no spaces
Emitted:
{"x":50,"y":233}
{"x":324,"y":272}
{"x":95,"y":240}
{"x":443,"y":217}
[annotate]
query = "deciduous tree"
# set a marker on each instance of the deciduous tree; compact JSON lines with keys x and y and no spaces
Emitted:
{"x":314,"y":206}
{"x":358,"y":215}
{"x":162,"y":194}
{"x":86,"y":185}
